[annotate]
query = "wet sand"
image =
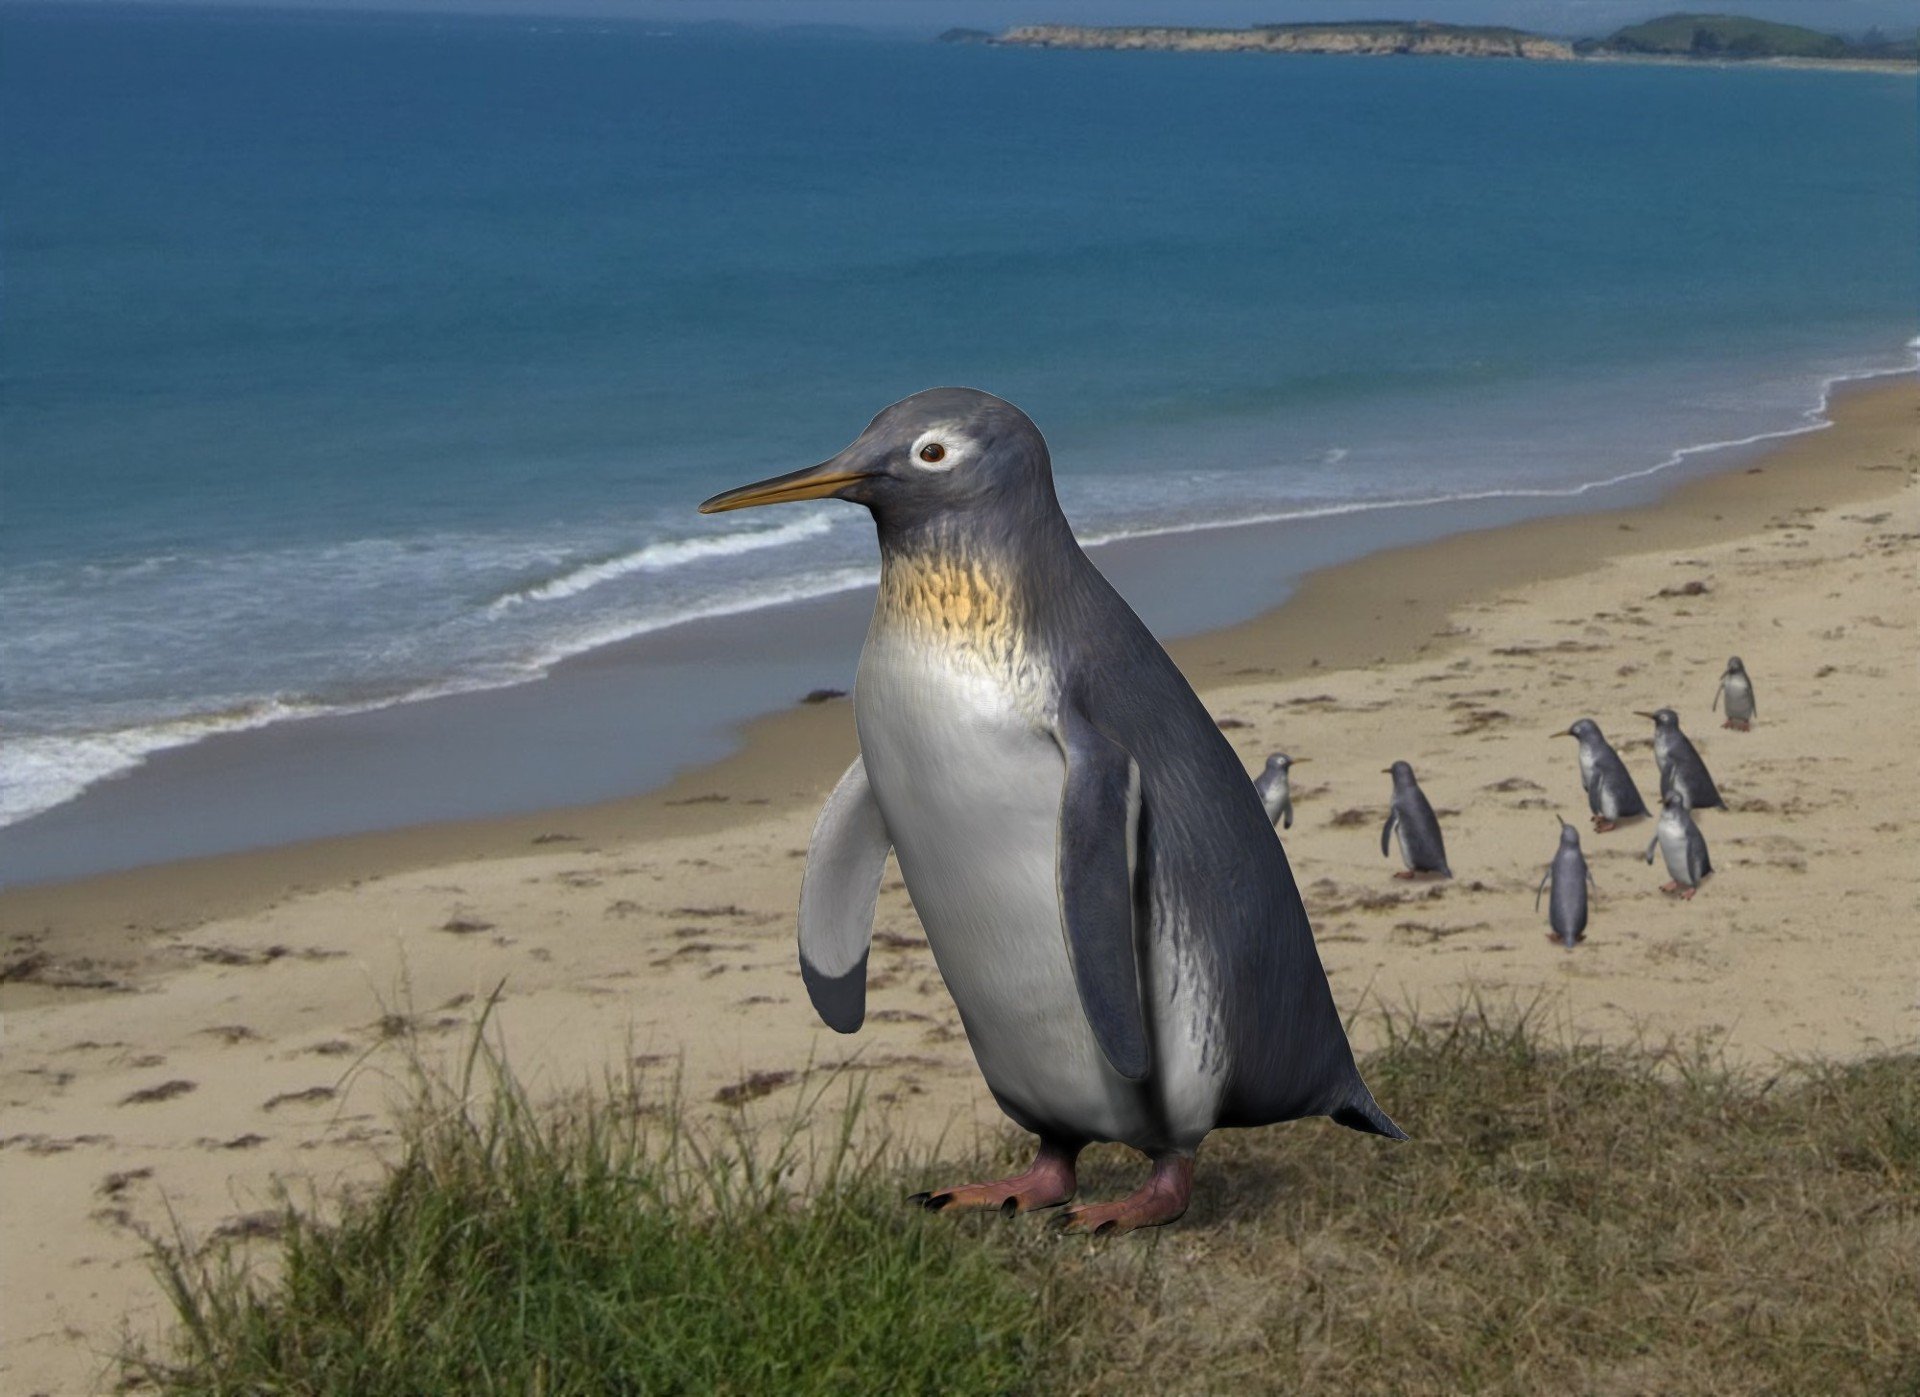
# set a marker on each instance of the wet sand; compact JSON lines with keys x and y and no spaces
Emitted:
{"x":182,"y":1036}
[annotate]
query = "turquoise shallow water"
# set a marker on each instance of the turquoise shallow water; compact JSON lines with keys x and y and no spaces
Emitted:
{"x":357,"y":360}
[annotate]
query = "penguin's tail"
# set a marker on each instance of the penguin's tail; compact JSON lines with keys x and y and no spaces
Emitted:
{"x":1363,"y":1113}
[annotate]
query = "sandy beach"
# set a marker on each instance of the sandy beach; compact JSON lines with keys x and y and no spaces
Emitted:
{"x":182,"y":1040}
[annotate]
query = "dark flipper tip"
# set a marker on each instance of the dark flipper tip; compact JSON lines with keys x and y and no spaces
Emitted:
{"x":1367,"y":1116}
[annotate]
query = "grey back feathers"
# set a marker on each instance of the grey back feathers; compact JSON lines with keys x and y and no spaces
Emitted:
{"x":1681,"y":768}
{"x":1410,"y":818}
{"x":1568,"y":877}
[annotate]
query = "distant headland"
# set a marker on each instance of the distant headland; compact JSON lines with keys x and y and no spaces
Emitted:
{"x":1671,"y":38}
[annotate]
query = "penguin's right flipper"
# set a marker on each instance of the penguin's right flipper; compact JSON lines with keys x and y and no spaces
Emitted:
{"x":1542,"y":888}
{"x":1099,"y":826}
{"x":1386,"y":831}
{"x":845,"y":859}
{"x":1719,"y":689}
{"x":1698,"y":864}
{"x":1286,"y":816}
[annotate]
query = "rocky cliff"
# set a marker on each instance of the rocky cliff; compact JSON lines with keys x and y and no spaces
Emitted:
{"x":1458,"y":41}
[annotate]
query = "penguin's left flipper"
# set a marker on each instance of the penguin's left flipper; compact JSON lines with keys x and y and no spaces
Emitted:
{"x":1286,"y":816}
{"x":1099,"y":824}
{"x":1544,"y":878}
{"x":845,"y":859}
{"x":1386,"y":831}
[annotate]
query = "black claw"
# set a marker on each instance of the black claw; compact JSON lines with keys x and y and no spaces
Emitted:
{"x":920,"y":1200}
{"x":1010,"y":1207}
{"x":1104,"y":1228}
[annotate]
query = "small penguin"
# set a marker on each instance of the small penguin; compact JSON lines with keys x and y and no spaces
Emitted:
{"x":1567,"y":871}
{"x":1611,"y":794}
{"x":1680,"y":766}
{"x":1682,"y":845}
{"x":1411,"y":819}
{"x":1103,"y":894}
{"x":1737,"y":688}
{"x":1275,"y":792}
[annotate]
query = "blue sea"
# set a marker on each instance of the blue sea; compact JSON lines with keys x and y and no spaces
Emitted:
{"x":352,"y":361}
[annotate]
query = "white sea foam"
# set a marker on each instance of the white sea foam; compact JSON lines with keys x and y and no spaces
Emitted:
{"x":41,"y":771}
{"x":659,"y":557}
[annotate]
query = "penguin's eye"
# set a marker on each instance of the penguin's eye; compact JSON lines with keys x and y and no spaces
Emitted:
{"x":932,"y":451}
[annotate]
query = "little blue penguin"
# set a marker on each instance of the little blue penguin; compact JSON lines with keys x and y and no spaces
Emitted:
{"x":1611,"y":794}
{"x":1099,"y":885}
{"x":1276,"y":794}
{"x":1680,"y":766}
{"x":1567,"y":908}
{"x":1410,"y":820}
{"x":1682,"y":845}
{"x":1737,"y":688}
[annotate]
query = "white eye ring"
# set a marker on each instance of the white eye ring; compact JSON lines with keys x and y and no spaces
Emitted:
{"x":932,"y":454}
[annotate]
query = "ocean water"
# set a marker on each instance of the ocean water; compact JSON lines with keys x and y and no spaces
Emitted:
{"x":352,"y":361}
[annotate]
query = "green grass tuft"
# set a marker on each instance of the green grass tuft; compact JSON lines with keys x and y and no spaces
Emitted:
{"x":591,"y":1249}
{"x":1567,"y":1217}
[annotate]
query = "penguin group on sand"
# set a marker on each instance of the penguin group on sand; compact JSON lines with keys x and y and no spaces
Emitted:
{"x":1099,"y":884}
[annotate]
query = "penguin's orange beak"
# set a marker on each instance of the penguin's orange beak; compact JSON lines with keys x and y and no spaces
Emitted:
{"x":810,"y":483}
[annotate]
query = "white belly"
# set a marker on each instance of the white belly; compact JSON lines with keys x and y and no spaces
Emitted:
{"x":1739,"y":698}
{"x":969,"y":779}
{"x":1673,"y":848}
{"x":1587,"y":760}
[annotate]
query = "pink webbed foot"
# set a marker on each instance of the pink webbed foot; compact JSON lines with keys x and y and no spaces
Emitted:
{"x":1669,"y":887}
{"x":1686,"y":894}
{"x":1048,"y":1182}
{"x":1161,"y":1200}
{"x":1406,"y":873}
{"x":1601,"y":824}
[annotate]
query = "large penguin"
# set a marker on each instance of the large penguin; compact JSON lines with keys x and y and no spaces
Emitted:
{"x":1099,"y":884}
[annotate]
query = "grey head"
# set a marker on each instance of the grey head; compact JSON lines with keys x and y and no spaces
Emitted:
{"x":1664,"y":719}
{"x":1569,"y":836}
{"x":945,"y":464}
{"x":1675,"y":801}
{"x":1402,"y":774}
{"x":1280,"y":761}
{"x":1734,"y":666}
{"x":1583,"y":731}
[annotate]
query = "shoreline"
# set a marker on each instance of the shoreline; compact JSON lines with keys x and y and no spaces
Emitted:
{"x":622,"y":718}
{"x":185,"y":1042}
{"x":1404,"y":590}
